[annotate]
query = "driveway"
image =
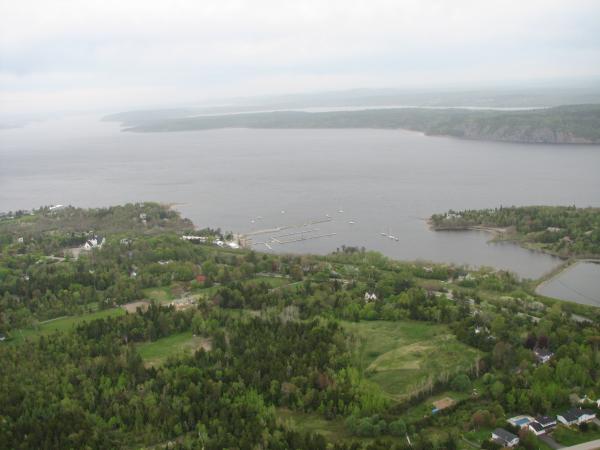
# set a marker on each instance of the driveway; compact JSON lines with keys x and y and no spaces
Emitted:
{"x":551,"y":442}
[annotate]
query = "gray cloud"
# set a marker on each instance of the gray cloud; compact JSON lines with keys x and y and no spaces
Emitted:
{"x":112,"y":54}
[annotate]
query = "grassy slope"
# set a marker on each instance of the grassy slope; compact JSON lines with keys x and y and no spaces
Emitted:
{"x":63,"y":324}
{"x":403,"y":357}
{"x":155,"y":353}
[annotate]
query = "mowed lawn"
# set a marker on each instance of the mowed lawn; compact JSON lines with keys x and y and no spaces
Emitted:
{"x":157,"y":352}
{"x":405,"y":357}
{"x":64,"y":324}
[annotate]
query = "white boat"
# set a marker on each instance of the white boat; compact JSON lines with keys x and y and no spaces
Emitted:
{"x":390,"y":235}
{"x":351,"y":222}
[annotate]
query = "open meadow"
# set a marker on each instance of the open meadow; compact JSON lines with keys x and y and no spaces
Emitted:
{"x":406,"y":358}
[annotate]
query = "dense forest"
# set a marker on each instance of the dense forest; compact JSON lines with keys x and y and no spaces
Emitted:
{"x":577,"y":124}
{"x":106,"y":350}
{"x":561,"y":230}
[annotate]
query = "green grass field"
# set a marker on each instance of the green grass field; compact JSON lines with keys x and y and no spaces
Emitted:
{"x":569,"y":436}
{"x":157,"y":352}
{"x":63,"y":324}
{"x":406,"y":357}
{"x":159,"y":294}
{"x":333,"y":430}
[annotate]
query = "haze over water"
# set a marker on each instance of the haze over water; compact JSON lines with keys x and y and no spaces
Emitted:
{"x":383,"y":180}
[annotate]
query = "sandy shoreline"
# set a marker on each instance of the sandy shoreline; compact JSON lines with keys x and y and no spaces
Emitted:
{"x":497,"y":231}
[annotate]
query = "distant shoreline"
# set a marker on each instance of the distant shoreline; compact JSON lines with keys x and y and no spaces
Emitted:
{"x":573,"y":124}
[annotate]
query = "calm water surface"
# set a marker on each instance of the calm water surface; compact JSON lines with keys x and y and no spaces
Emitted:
{"x":385,"y":181}
{"x":580,"y":283}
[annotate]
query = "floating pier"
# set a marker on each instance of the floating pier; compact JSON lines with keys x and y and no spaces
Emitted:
{"x":306,"y":238}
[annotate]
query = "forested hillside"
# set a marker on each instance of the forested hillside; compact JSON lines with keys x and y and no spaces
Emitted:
{"x":578,"y":124}
{"x":153,"y":341}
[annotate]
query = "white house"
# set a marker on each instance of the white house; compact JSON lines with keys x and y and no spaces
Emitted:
{"x":576,"y":416}
{"x":542,"y":425}
{"x":505,"y":438}
{"x":543,"y":355}
{"x":95,"y":242}
{"x":370,"y":296}
{"x":536,"y":428}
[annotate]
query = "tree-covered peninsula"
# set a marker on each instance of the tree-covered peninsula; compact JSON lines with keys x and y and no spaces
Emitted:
{"x":561,"y":230}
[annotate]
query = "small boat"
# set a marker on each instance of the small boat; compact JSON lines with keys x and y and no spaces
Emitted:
{"x":351,"y":222}
{"x":252,"y":221}
{"x":282,"y":211}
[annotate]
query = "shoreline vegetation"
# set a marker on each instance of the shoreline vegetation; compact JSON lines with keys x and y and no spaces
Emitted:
{"x":566,"y":232}
{"x":534,"y":228}
{"x":571,"y":124}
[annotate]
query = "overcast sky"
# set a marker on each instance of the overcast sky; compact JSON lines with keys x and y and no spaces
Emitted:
{"x":86,"y":54}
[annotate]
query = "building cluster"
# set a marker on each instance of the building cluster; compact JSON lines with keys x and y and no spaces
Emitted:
{"x":192,"y":238}
{"x":541,"y":425}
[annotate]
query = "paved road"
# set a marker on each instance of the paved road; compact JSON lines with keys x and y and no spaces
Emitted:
{"x":591,"y":445}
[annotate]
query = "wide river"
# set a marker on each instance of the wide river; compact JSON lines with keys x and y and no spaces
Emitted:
{"x":363,"y":182}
